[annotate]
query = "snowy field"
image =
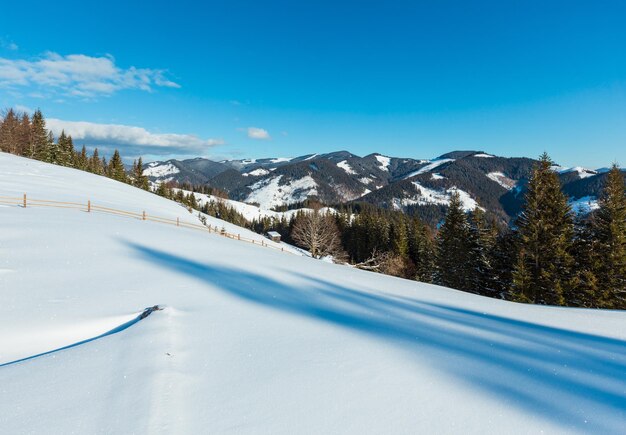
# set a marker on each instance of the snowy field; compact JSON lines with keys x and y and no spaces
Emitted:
{"x":252,"y":340}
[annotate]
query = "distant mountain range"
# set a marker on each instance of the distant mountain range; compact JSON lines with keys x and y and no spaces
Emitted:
{"x":421,"y":187}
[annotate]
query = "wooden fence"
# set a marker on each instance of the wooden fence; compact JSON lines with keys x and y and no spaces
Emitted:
{"x":91,"y":207}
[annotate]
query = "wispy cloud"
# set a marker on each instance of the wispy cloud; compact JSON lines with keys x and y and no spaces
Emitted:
{"x":8,"y":44}
{"x":78,"y":75}
{"x":258,"y":133}
{"x":133,"y":140}
{"x":23,"y":109}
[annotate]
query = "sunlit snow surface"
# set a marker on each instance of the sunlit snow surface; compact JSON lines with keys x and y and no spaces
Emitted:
{"x":426,"y":195}
{"x":429,"y":167}
{"x":502,"y":180}
{"x":253,"y":340}
{"x":346,"y":167}
{"x":384,"y":162}
{"x":579,"y":170}
{"x":256,"y":172}
{"x":269,"y":193}
{"x":156,"y":170}
{"x":584,"y":205}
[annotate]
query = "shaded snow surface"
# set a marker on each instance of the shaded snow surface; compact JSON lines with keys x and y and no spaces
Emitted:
{"x":257,"y":341}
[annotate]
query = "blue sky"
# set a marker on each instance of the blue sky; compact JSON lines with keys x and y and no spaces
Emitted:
{"x":234,"y":79}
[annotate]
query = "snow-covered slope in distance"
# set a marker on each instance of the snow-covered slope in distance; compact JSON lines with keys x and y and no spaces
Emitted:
{"x":253,"y":340}
{"x":252,"y":212}
{"x":429,"y":167}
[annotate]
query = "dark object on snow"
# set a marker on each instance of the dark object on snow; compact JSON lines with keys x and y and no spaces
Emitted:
{"x":274,"y":236}
{"x":149,"y":311}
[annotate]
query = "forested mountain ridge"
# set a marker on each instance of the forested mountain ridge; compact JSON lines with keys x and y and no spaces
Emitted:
{"x":416,"y":186}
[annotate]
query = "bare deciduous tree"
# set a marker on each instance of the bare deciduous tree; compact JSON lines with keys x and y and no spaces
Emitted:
{"x":318,"y":233}
{"x":388,"y":263}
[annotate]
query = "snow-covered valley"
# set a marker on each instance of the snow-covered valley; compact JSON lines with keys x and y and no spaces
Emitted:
{"x":255,"y":340}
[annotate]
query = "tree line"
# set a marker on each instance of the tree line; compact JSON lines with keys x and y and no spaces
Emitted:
{"x":27,"y":136}
{"x":548,"y":256}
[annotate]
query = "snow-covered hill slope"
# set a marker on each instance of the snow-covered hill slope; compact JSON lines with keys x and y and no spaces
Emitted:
{"x":251,"y":212}
{"x":253,"y":340}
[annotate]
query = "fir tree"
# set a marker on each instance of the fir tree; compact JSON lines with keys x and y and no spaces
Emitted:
{"x":116,"y":169}
{"x":140,"y":180}
{"x":69,"y":152}
{"x":542,"y":273}
{"x":453,"y":248}
{"x":610,"y":233}
{"x":81,"y":161}
{"x":163,"y":190}
{"x":60,"y":155}
{"x":95,"y":165}
{"x":400,"y":237}
{"x":52,"y":150}
{"x":422,"y":251}
{"x":39,"y":141}
{"x":23,"y":136}
{"x":191,"y":201}
{"x":584,"y":291}
{"x":482,"y":240}
{"x":503,"y":258}
{"x":9,"y":126}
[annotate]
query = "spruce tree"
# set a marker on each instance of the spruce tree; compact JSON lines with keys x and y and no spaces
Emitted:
{"x":39,"y":140}
{"x":81,"y":161}
{"x":400,"y":238}
{"x":422,"y":251}
{"x":503,"y":257}
{"x":23,"y":135}
{"x":53,"y":149}
{"x":8,"y":132}
{"x":163,"y":190}
{"x":95,"y":165}
{"x":140,"y":180}
{"x":543,"y":272}
{"x":69,"y":152}
{"x":59,"y":153}
{"x":453,"y":248}
{"x":482,"y":240}
{"x":585,"y":291}
{"x":116,"y":169}
{"x":610,"y":233}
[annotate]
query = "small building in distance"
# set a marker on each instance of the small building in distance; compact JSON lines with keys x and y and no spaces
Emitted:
{"x":273,"y":236}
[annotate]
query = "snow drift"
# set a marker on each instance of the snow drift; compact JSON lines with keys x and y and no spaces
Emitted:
{"x":254,"y":340}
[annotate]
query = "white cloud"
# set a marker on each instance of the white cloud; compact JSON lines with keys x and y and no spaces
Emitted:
{"x":126,"y":136}
{"x":24,"y":109}
{"x":258,"y":133}
{"x":78,"y":75}
{"x":9,"y":45}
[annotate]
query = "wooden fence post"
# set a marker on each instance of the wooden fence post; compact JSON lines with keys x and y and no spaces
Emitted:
{"x":24,"y":200}
{"x":143,"y":217}
{"x":177,"y":222}
{"x":88,"y":206}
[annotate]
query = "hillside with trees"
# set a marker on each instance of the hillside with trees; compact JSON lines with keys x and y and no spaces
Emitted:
{"x":548,"y":255}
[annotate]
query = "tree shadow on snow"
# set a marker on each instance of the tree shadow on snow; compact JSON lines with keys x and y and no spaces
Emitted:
{"x":574,"y":378}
